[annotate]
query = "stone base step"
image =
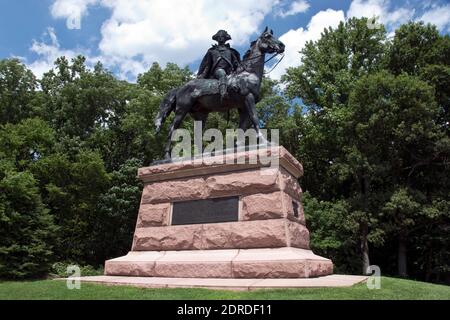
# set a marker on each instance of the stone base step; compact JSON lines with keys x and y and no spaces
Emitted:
{"x":277,"y":263}
{"x":334,"y":280}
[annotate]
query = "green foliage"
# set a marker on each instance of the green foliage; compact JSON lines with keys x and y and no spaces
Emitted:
{"x":329,"y":241}
{"x":17,"y":91}
{"x":159,"y":81}
{"x":332,"y":64}
{"x":26,"y":228}
{"x":416,"y":46}
{"x":117,"y":213}
{"x":375,"y":138}
{"x":59,"y":270}
{"x":71,"y":188}
{"x":25,"y":143}
{"x":77,"y":101}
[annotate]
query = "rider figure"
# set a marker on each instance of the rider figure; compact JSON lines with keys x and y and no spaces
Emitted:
{"x":219,"y":61}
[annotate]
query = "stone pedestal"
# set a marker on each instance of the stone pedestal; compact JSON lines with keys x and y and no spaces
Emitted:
{"x":269,"y":238}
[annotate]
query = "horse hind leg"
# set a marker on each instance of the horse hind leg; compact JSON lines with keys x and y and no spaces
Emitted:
{"x":200,"y":116}
{"x":166,"y":107}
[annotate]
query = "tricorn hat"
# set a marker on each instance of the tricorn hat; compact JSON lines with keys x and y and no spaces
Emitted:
{"x":222,"y":33}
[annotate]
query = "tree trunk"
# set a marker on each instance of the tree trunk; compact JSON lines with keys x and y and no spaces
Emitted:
{"x":402,"y":269}
{"x":364,"y":225}
{"x":364,"y":228}
{"x":429,"y":263}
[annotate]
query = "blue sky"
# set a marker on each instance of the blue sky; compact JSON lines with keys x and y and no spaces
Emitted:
{"x":128,"y":35}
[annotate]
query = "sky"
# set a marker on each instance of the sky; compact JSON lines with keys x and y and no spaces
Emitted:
{"x":127,"y":36}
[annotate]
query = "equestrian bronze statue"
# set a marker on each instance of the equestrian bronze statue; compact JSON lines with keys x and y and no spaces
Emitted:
{"x":201,"y":96}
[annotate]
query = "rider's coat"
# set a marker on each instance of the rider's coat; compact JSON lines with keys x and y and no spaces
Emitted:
{"x":219,"y":57}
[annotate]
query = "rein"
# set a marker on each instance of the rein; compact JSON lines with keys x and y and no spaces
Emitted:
{"x":259,"y":56}
{"x":276,"y":64}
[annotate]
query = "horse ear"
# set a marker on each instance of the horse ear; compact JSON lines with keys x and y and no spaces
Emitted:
{"x":271,"y":31}
{"x":266,"y":29}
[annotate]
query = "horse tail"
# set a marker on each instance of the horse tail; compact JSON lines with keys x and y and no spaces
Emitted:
{"x":165,"y":108}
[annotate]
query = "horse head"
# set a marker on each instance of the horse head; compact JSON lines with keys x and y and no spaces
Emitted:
{"x":267,"y":43}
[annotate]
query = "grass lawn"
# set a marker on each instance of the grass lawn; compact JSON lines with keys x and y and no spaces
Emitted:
{"x":391,"y":289}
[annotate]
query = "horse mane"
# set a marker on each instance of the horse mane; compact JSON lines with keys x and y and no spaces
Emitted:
{"x":247,"y":54}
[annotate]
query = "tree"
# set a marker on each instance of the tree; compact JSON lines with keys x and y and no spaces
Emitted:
{"x":77,"y":101}
{"x":71,"y":187}
{"x":324,"y":81}
{"x":117,"y":210}
{"x":26,"y":227}
{"x":17,"y":91}
{"x":419,"y":50}
{"x":335,"y":233}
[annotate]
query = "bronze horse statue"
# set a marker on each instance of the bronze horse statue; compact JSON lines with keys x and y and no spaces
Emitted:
{"x":199,"y":97}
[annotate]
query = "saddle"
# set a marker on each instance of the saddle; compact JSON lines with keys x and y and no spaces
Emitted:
{"x":209,"y":87}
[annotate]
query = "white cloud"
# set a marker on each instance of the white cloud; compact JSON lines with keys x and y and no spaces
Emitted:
{"x":141,"y":32}
{"x":174,"y":31}
{"x":380,"y":9}
{"x":48,"y":52}
{"x":72,"y":10}
{"x":440,"y":16}
{"x":296,"y":7}
{"x":295,"y":40}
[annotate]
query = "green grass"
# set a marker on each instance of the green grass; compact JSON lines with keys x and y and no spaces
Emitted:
{"x":391,"y":289}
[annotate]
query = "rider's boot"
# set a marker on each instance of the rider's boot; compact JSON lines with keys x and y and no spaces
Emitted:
{"x":222,"y":89}
{"x":222,"y":77}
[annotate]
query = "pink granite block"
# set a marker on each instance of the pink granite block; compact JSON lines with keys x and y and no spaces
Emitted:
{"x":270,"y":269}
{"x":193,"y":269}
{"x":298,"y":235}
{"x":175,"y":190}
{"x":289,"y":209}
{"x":290,"y":185}
{"x":241,"y":183}
{"x":320,"y":268}
{"x":263,"y":206}
{"x":130,"y":268}
{"x":217,"y":236}
{"x":245,"y":263}
{"x":188,"y":237}
{"x":271,"y":233}
{"x":220,"y":164}
{"x":273,"y":205}
{"x":151,"y":215}
{"x":259,"y":234}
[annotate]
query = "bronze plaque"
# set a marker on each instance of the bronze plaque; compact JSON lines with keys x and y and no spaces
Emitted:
{"x":206,"y":211}
{"x":295,"y":207}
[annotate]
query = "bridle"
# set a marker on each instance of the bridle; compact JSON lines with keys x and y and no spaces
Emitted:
{"x":259,"y":56}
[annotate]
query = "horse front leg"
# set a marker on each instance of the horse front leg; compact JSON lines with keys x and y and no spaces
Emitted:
{"x":251,"y":110}
{"x":244,"y":124}
{"x":178,"y":119}
{"x":244,"y":120}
